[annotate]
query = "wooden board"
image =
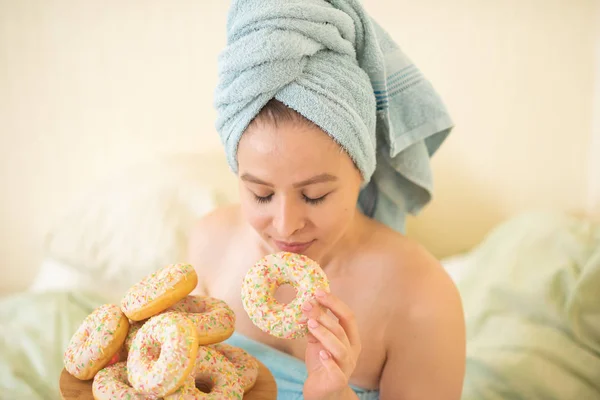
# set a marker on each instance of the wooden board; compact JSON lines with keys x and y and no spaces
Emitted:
{"x":72,"y":388}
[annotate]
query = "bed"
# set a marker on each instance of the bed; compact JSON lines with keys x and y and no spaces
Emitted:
{"x":531,"y":288}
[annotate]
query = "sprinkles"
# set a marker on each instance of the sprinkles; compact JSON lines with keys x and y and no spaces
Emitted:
{"x":96,"y":341}
{"x":160,"y":356}
{"x":134,"y":327}
{"x":111,"y":384}
{"x":159,"y":291}
{"x":214,"y":368}
{"x":262,"y":281}
{"x":245,"y":363}
{"x":214,"y":319}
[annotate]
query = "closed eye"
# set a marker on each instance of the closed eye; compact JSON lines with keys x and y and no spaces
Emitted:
{"x":309,"y":200}
{"x":263,"y":199}
{"x":318,"y":200}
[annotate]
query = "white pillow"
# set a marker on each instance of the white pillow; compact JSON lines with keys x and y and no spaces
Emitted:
{"x":138,"y":220}
{"x":456,"y":265}
{"x":54,"y":275}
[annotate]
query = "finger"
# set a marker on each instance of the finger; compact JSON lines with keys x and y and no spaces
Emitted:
{"x":332,"y":324}
{"x":310,"y":338}
{"x":335,"y":372}
{"x":329,"y":341}
{"x":312,"y":310}
{"x":342,"y":312}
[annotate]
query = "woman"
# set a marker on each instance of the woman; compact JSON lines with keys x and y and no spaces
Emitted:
{"x":302,"y":126}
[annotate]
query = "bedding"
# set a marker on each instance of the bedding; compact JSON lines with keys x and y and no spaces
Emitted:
{"x":35,"y":328}
{"x":530,"y":292}
{"x":135,"y":221}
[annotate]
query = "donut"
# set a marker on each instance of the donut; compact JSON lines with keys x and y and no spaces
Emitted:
{"x":111,"y":383}
{"x":115,"y":359}
{"x":262,"y":281}
{"x":162,"y":354}
{"x":96,"y":341}
{"x":245,"y":363}
{"x":214,"y":319}
{"x":134,"y":327}
{"x":159,"y":291}
{"x":213,"y":372}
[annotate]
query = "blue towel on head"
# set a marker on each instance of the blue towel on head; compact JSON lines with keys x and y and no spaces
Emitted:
{"x":332,"y":63}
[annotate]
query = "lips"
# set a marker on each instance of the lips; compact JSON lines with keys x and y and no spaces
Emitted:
{"x":293,"y":247}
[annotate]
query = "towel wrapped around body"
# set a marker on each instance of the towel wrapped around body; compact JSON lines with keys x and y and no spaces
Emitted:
{"x":333,"y":64}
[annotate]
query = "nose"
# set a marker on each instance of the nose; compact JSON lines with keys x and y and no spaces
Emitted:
{"x":289,"y":219}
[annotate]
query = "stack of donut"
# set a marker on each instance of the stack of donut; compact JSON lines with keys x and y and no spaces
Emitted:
{"x":161,"y":343}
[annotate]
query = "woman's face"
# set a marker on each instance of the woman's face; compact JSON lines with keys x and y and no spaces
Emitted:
{"x":298,"y":188}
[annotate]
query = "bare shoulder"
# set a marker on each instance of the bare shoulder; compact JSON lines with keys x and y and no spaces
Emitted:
{"x":425,"y":335}
{"x":221,"y":218}
{"x":424,"y":295}
{"x":407,"y":264}
{"x":209,"y":239}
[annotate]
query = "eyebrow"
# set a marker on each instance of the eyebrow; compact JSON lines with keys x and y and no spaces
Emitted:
{"x":315,"y":179}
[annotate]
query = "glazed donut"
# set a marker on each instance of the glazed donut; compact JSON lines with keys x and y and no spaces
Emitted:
{"x":96,"y":341}
{"x":262,"y":281}
{"x":213,"y":370}
{"x":159,"y":291}
{"x":162,"y":354}
{"x":245,"y":363}
{"x":111,"y":383}
{"x":213,"y":318}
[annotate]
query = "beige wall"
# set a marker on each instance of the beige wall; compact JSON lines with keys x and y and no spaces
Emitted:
{"x":594,"y":155}
{"x":87,"y":87}
{"x":519,"y":79}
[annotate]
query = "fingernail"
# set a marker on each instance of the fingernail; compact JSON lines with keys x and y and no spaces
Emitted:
{"x":312,"y":323}
{"x":307,"y":306}
{"x":324,"y":355}
{"x":320,"y":293}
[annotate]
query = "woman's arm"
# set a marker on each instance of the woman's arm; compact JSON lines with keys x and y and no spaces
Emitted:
{"x":426,"y":353}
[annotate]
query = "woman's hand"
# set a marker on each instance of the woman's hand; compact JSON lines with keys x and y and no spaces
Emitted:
{"x":333,"y":347}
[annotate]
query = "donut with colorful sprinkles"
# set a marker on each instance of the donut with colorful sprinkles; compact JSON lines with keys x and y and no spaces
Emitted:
{"x":245,"y":363}
{"x":214,"y":319}
{"x":162,"y":354}
{"x":262,"y":281}
{"x":99,"y":337}
{"x":217,"y":373}
{"x":159,"y":291}
{"x":134,"y":327}
{"x":111,"y":384}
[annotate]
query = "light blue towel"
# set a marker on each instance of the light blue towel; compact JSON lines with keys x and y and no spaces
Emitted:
{"x":332,"y":63}
{"x":288,"y":371}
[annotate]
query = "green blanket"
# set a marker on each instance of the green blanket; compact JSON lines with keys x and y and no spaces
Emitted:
{"x":35,"y":329}
{"x":531,"y":294}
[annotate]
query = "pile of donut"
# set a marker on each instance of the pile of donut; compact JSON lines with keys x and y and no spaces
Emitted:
{"x":161,"y":343}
